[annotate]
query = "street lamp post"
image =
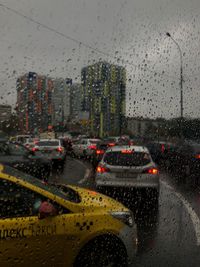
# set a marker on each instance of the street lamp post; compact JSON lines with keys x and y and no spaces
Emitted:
{"x":181,"y":80}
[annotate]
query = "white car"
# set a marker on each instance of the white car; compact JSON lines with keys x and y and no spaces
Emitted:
{"x":31,"y":142}
{"x":128,"y":167}
{"x":52,"y":149}
{"x":85,"y":147}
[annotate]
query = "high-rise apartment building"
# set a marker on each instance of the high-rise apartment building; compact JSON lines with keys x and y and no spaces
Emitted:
{"x":104,"y":93}
{"x":5,"y":113}
{"x":76,"y":98}
{"x":34,"y":102}
{"x":61,"y":101}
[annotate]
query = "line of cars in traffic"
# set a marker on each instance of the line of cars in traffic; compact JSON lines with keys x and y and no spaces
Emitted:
{"x":119,"y":166}
{"x":56,"y":224}
{"x":88,"y":228}
{"x":34,"y":156}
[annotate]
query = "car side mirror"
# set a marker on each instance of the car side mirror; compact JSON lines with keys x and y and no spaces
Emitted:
{"x":46,"y":209}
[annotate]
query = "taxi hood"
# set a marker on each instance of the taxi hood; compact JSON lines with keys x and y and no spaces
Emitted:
{"x":94,"y":201}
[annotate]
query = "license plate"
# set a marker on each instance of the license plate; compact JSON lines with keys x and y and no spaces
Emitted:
{"x":126,"y":175}
{"x":46,"y":151}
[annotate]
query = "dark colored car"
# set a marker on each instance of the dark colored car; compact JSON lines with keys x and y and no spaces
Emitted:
{"x":67,"y":144}
{"x":185,"y":161}
{"x":100,"y":150}
{"x":159,"y":150}
{"x":19,"y":157}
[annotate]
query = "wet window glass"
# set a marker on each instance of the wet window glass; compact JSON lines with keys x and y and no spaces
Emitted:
{"x":17,"y":150}
{"x":34,"y":181}
{"x":4,"y":149}
{"x":80,"y":80}
{"x":127,"y":158}
{"x":48,"y":143}
{"x":17,"y":201}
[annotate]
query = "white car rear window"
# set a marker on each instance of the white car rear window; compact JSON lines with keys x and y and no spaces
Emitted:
{"x":48,"y":143}
{"x":121,"y":158}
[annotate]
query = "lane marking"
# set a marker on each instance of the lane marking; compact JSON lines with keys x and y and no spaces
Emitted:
{"x":81,"y":163}
{"x":87,"y":173}
{"x":193,"y":216}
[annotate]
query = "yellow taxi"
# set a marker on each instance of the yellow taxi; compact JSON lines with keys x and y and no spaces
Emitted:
{"x":61,"y":225}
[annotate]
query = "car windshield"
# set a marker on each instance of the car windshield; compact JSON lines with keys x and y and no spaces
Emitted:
{"x":48,"y":143}
{"x":120,"y":158}
{"x":79,"y":79}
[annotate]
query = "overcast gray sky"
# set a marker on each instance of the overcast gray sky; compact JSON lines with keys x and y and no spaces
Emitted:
{"x":132,"y":32}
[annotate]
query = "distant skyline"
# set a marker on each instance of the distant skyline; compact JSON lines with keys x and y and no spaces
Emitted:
{"x":133,"y":31}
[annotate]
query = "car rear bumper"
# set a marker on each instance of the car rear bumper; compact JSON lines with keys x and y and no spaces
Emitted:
{"x":149,"y":182}
{"x":58,"y":160}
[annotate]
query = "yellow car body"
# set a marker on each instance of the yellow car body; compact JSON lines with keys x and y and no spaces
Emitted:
{"x":56,"y":240}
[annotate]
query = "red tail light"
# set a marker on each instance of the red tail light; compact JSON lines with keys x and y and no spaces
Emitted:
{"x":101,"y":169}
{"x":151,"y":171}
{"x":60,"y":149}
{"x":93,"y":147}
{"x":99,"y":152}
{"x":111,"y":144}
{"x":131,"y":143}
{"x":35,"y":149}
{"x":127,"y":151}
{"x":197,"y":156}
{"x":162,"y":148}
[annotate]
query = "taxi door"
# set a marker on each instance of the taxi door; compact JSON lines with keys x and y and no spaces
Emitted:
{"x":31,"y":241}
{"x":27,"y":240}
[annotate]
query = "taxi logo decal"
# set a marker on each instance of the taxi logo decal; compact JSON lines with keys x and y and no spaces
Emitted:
{"x":32,"y":230}
{"x":13,"y":233}
{"x":84,"y":226}
{"x":37,"y":230}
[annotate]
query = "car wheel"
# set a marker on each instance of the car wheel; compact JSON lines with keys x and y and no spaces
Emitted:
{"x":101,"y":252}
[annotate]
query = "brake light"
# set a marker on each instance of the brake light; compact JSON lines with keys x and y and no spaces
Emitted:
{"x":93,"y":147}
{"x":163,"y":148}
{"x":127,"y":151}
{"x":111,"y":144}
{"x":197,"y":156}
{"x":59,"y":149}
{"x":35,"y":149}
{"x":153,"y":171}
{"x":131,"y":143}
{"x":101,"y":169}
{"x":99,"y":152}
